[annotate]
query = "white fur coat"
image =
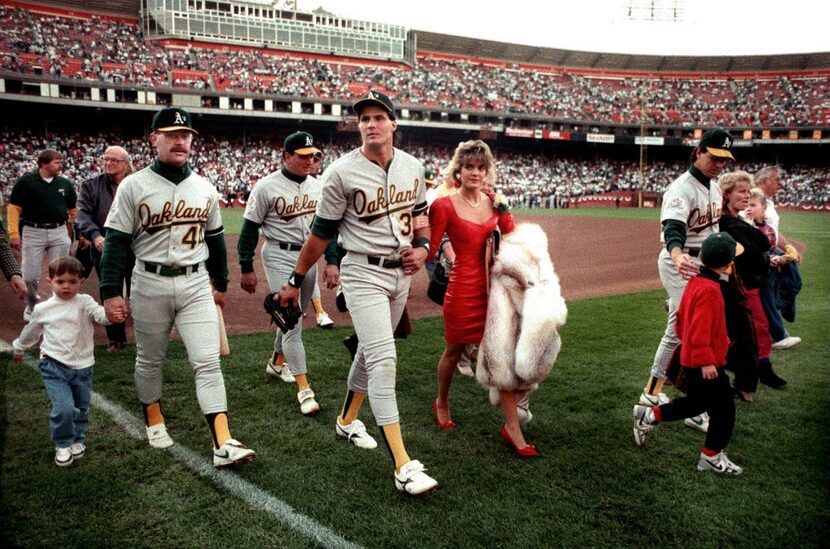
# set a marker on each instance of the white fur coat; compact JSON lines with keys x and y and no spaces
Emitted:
{"x":524,"y":313}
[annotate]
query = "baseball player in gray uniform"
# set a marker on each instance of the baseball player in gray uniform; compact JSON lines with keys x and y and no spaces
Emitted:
{"x":375,"y":198}
{"x":283,"y":204}
{"x":690,"y":212}
{"x":170,"y":218}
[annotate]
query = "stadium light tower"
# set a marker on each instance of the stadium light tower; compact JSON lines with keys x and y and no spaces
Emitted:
{"x":287,"y":5}
{"x":672,"y":11}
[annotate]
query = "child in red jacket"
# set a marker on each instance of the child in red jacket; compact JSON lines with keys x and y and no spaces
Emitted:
{"x":701,"y":327}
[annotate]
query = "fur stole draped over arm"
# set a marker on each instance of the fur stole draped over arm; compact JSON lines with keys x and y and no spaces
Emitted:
{"x":524,"y":313}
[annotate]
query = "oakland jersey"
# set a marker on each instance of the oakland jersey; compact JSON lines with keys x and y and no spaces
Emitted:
{"x":167,"y":221}
{"x":284,"y":207}
{"x":689,"y":201}
{"x":376,"y":207}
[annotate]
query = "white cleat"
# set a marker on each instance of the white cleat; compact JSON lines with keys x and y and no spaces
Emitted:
{"x":232,"y":452}
{"x":653,"y":400}
{"x":308,"y":406}
{"x":324,"y":320}
{"x":698,"y":423}
{"x":283,"y":373}
{"x":158,"y":438}
{"x":413,"y":480}
{"x":718,"y":463}
{"x":355,"y":432}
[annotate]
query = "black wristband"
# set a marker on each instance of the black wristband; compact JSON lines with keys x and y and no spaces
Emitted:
{"x":296,"y":279}
{"x":422,"y":242}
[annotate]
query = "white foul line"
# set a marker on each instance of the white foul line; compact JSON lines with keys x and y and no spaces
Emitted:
{"x":240,"y":488}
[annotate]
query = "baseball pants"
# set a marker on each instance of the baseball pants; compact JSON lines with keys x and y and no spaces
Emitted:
{"x":37,"y":244}
{"x":376,"y":298}
{"x":157,"y":303}
{"x":279,"y":264}
{"x":674,"y":285}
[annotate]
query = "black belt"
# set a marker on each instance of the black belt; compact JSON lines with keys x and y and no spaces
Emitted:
{"x":164,"y":270}
{"x":694,"y":252}
{"x":385,"y":263}
{"x":290,"y":247}
{"x":43,"y":225}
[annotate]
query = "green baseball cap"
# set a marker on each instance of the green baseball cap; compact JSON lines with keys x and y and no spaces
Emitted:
{"x":172,"y":119}
{"x":718,"y":142}
{"x":300,"y":143}
{"x":375,"y":99}
{"x":719,"y":250}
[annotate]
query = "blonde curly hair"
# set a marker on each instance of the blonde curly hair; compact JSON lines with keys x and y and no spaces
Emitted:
{"x":466,"y":151}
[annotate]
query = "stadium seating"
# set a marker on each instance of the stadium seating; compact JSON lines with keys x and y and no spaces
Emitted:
{"x":112,"y":51}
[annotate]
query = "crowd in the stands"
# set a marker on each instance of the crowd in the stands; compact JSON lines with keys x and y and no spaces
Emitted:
{"x":529,"y":180}
{"x":109,"y":51}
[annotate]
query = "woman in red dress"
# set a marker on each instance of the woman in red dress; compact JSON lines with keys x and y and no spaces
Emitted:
{"x":468,"y":216}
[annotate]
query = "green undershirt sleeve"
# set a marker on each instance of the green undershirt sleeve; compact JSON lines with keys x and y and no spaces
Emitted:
{"x":674,"y":233}
{"x":113,"y":262}
{"x":246,"y":246}
{"x":217,"y":261}
{"x":331,"y":252}
{"x":324,"y":228}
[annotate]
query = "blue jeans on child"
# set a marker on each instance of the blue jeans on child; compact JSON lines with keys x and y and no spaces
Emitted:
{"x":69,"y":390}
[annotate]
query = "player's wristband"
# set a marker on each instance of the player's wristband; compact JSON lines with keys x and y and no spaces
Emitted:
{"x":296,"y":279}
{"x":422,"y":242}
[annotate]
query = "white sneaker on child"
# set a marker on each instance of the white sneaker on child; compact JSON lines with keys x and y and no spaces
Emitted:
{"x":644,"y":421}
{"x":718,"y":463}
{"x":78,"y":450}
{"x":63,"y":457}
{"x":698,"y":423}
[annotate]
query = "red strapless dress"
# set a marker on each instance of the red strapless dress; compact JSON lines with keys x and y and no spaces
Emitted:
{"x":465,"y":304}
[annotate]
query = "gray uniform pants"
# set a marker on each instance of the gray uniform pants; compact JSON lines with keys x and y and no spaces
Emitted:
{"x":37,"y":244}
{"x":674,"y":285}
{"x":279,"y":264}
{"x":157,"y":302}
{"x":376,"y":298}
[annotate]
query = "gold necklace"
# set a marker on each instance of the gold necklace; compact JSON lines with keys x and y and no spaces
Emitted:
{"x":472,"y":205}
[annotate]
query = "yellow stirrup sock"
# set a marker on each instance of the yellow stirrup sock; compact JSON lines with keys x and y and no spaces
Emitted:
{"x":394,"y":441}
{"x":351,"y":407}
{"x":302,"y":382}
{"x":654,"y":386}
{"x":318,"y":305}
{"x":152,"y":414}
{"x":218,"y":424}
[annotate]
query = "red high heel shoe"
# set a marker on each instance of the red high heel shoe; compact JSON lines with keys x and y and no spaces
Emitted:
{"x":528,"y":451}
{"x":442,"y":424}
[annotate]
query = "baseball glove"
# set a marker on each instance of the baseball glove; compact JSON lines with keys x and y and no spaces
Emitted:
{"x":284,"y":317}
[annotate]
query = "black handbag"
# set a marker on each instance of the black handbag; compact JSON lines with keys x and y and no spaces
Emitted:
{"x":438,"y":284}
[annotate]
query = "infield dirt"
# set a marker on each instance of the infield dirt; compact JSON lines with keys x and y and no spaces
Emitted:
{"x":592,"y":256}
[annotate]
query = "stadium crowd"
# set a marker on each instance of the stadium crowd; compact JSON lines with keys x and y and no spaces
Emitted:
{"x":114,"y":52}
{"x":528,"y":180}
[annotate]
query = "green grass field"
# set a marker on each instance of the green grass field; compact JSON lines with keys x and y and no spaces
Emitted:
{"x":592,"y":487}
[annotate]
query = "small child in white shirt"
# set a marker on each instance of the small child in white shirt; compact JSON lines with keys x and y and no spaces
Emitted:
{"x":66,"y":357}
